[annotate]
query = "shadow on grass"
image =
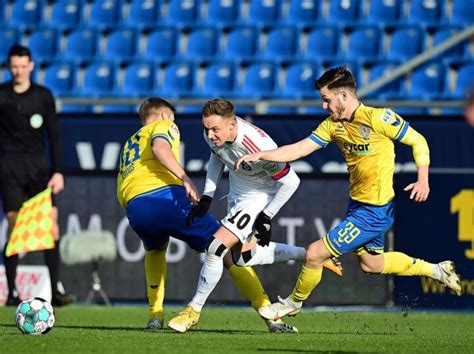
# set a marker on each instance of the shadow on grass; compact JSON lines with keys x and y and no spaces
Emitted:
{"x":141,"y":329}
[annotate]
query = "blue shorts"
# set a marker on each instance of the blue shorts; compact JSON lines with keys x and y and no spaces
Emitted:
{"x":159,"y":214}
{"x":363,"y":229}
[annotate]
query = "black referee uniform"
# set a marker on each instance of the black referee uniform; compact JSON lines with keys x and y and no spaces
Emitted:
{"x":28,"y":128}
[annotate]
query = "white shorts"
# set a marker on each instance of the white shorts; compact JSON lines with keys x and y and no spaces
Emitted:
{"x":241,"y":214}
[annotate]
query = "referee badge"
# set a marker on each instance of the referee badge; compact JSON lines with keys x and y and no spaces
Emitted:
{"x":36,"y":121}
{"x":364,"y":131}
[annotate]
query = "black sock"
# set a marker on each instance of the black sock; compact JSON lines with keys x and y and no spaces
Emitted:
{"x":11,"y":263}
{"x":51,"y":258}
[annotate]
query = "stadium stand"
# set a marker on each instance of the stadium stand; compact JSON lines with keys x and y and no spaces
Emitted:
{"x":224,"y":42}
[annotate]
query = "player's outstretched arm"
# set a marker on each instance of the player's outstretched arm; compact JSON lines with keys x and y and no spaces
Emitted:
{"x":421,"y":188}
{"x":162,"y":151}
{"x":284,"y":153}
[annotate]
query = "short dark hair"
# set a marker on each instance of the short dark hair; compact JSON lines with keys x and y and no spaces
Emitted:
{"x":152,"y":104}
{"x":19,"y":51}
{"x":336,"y":78}
{"x":220,"y":107}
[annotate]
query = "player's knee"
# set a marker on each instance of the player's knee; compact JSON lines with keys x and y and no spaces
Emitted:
{"x":216,"y":248}
{"x":314,"y":257}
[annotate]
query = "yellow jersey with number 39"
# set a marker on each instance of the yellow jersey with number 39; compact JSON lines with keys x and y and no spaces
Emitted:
{"x":366,"y":142}
{"x":140,"y":171}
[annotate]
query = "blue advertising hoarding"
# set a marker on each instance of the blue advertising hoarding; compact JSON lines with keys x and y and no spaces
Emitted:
{"x":442,"y":228}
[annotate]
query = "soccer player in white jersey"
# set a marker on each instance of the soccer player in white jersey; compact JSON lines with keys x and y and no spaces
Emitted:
{"x":256,"y":195}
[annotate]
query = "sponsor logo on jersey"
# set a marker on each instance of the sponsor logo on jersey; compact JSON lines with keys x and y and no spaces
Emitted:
{"x":364,"y":131}
{"x":339,"y":128}
{"x":356,"y":148}
{"x":387,"y":115}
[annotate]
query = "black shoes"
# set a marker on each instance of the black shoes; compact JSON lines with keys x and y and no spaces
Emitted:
{"x":62,"y":300}
{"x":13,"y":301}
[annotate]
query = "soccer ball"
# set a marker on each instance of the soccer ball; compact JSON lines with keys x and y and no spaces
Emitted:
{"x":34,"y":316}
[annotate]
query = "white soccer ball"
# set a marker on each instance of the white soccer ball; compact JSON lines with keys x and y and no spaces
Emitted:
{"x":34,"y":316}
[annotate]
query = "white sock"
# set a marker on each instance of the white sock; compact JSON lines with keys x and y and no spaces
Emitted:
{"x":211,"y":272}
{"x":274,"y":253}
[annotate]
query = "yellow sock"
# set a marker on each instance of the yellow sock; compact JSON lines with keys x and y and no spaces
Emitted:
{"x":400,"y":264}
{"x":155,"y":271}
{"x":307,"y":281}
{"x":249,"y":285}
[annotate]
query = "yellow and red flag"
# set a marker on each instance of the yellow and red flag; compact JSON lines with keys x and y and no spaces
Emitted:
{"x":33,"y":230}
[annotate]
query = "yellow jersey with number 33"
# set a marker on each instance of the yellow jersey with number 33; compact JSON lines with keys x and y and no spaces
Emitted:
{"x":366,"y":142}
{"x":140,"y":171}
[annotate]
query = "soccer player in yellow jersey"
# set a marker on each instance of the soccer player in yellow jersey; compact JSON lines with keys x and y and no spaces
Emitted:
{"x":157,"y":195}
{"x":365,"y":136}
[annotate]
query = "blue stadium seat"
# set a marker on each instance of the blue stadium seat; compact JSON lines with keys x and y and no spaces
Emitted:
{"x":201,"y":43}
{"x":81,"y":45}
{"x":322,"y":43}
{"x":463,"y":12}
{"x":138,"y":80}
{"x":143,"y":13}
{"x":343,"y":11}
{"x":182,"y":12}
{"x":427,"y":82}
{"x":386,"y":11}
{"x":364,"y":43}
{"x":120,"y":44}
{"x":8,"y":37}
{"x":178,"y":80}
{"x":65,"y":14}
{"x":441,"y":34}
{"x":26,"y":13}
{"x":241,"y":43}
{"x":259,"y":80}
{"x":104,"y":14}
{"x":379,"y":70}
{"x":60,"y":78}
{"x":223,"y":12}
{"x":406,"y":42}
{"x":303,"y":12}
{"x":425,"y":11}
{"x":161,"y":44}
{"x":281,"y":43}
{"x":299,"y":80}
{"x":218,"y":80}
{"x":98,"y":80}
{"x":263,"y":12}
{"x":464,"y":82}
{"x":43,"y":44}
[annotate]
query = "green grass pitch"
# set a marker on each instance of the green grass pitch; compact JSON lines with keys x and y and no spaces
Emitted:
{"x":95,"y":329}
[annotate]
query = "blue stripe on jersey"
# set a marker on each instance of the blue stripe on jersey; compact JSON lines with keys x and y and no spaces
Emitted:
{"x":160,"y":136}
{"x":318,"y":140}
{"x":402,"y":131}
